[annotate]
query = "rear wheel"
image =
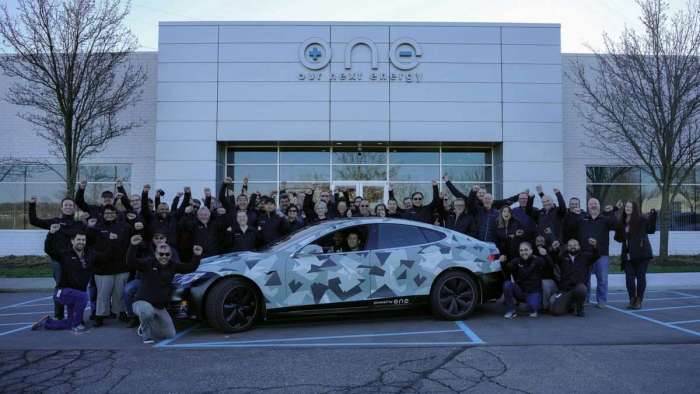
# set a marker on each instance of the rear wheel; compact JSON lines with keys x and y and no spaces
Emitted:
{"x":454,"y":295}
{"x":233,"y":305}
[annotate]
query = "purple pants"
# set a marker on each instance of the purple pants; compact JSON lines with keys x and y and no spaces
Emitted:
{"x":513,"y":292}
{"x":75,"y":302}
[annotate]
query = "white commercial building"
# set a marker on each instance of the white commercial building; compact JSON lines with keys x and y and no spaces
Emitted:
{"x":350,"y":105}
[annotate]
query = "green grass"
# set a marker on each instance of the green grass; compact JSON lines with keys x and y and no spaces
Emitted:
{"x":26,"y":272}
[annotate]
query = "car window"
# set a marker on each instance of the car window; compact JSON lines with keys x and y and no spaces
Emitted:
{"x":399,"y":235}
{"x":348,"y":239}
{"x":432,"y":235}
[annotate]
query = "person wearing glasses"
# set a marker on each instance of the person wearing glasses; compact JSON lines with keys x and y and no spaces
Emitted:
{"x":364,"y":209}
{"x":157,"y":272}
{"x":459,"y":220}
{"x":111,"y":272}
{"x":422,"y":212}
{"x":294,"y":221}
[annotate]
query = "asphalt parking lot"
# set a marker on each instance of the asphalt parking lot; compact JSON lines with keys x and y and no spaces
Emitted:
{"x":668,"y":327}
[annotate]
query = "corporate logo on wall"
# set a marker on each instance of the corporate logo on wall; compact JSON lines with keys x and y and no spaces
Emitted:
{"x":315,"y":54}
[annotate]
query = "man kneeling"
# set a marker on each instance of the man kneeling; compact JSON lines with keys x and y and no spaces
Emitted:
{"x":573,"y":268}
{"x":153,"y":295}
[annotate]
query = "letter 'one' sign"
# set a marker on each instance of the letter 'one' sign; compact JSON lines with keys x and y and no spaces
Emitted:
{"x":315,"y":53}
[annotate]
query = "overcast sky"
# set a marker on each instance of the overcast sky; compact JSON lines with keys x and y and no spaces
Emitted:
{"x":582,"y":21}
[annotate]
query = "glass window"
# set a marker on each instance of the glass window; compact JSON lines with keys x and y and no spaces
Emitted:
{"x":345,"y":240}
{"x":414,"y":156}
{"x":613,"y":174}
{"x":252,"y":156}
{"x":305,"y":173}
{"x":468,"y":173}
{"x":359,"y":173}
{"x":610,"y":194}
{"x":12,"y":205}
{"x":424,"y":173}
{"x":12,"y":173}
{"x":432,"y":235}
{"x":398,"y":236}
{"x":305,"y":156}
{"x":457,"y":156}
{"x":50,"y":173}
{"x":353,"y":156}
{"x":265,"y":188}
{"x":255,"y":173}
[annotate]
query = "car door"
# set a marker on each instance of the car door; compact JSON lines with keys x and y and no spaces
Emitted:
{"x":404,"y":260}
{"x":322,"y":277}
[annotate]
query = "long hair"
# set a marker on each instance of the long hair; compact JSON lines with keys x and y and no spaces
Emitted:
{"x":501,"y":222}
{"x":634,"y":218}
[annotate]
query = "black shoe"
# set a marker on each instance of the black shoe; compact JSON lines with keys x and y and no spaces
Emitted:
{"x":123,"y":317}
{"x":92,"y":315}
{"x":99,"y":321}
{"x":112,"y":316}
{"x":133,"y":322}
{"x":580,"y":312}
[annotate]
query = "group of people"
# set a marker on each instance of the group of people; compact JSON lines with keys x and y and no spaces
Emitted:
{"x":120,"y":255}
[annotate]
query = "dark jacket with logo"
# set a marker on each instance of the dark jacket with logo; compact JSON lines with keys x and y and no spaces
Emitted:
{"x":573,"y":269}
{"x":271,"y":227}
{"x":598,"y":229}
{"x":76,"y":272}
{"x":635,"y":243}
{"x":463,"y":223}
{"x":156,"y":279}
{"x":235,"y":240}
{"x":114,"y":262}
{"x":528,"y":273}
{"x":550,"y":222}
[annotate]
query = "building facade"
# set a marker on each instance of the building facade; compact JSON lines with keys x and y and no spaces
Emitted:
{"x":355,"y":106}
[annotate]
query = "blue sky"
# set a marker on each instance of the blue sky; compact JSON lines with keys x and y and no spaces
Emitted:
{"x":583,"y":21}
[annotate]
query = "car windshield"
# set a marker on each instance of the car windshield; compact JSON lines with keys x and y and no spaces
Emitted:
{"x":292,"y":238}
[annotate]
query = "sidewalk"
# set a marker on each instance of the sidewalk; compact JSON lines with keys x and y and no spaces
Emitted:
{"x":682,"y":280}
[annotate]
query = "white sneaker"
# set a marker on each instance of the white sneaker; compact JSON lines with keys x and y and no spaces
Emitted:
{"x":139,"y":330}
{"x":79,"y":329}
{"x":600,"y":305}
{"x":533,"y":314}
{"x":148,"y":341}
{"x":510,"y":315}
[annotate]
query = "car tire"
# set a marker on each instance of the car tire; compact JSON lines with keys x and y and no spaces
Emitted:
{"x":454,"y":296}
{"x":233,"y":305}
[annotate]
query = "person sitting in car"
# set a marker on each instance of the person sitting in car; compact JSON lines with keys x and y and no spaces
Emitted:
{"x":353,"y":242}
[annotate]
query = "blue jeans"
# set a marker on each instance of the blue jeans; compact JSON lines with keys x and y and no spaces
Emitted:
{"x":513,"y":292}
{"x":130,"y":289}
{"x":600,"y":269}
{"x":75,"y":302}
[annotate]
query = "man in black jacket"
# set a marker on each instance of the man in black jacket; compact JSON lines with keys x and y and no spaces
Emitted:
{"x":153,"y":296}
{"x":271,"y":224}
{"x":573,"y":217}
{"x":202,"y":230}
{"x":550,"y":218}
{"x":61,"y":239}
{"x":111,"y":271}
{"x":240,"y":238}
{"x":419,"y":212}
{"x":76,"y":270}
{"x":573,"y":267}
{"x":527,"y":285}
{"x":597,"y":226}
{"x":95,"y":211}
{"x":459,"y":220}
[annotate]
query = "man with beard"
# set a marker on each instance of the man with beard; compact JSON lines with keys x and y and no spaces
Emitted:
{"x":527,"y":281}
{"x":573,"y":267}
{"x":420,"y":212}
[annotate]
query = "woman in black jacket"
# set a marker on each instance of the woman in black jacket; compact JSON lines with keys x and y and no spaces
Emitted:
{"x":632,"y":231}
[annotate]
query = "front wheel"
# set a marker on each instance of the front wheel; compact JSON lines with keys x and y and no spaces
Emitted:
{"x":454,"y":295}
{"x":232,"y":306}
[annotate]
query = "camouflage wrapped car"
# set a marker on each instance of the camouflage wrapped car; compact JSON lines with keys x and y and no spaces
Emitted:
{"x":349,"y":263}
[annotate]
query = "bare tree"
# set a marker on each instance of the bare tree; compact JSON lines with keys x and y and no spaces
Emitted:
{"x":73,"y":74}
{"x":641,"y":98}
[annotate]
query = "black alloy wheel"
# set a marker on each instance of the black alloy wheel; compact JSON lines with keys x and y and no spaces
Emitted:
{"x":454,"y":295}
{"x":233,"y":306}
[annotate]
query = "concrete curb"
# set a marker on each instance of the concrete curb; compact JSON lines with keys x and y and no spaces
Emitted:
{"x":667,"y":281}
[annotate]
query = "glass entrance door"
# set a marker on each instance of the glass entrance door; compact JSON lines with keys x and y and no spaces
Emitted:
{"x":374,"y":192}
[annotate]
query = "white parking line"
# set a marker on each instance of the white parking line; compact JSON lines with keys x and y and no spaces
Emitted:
{"x":25,"y":302}
{"x":25,"y":313}
{"x":14,"y":324}
{"x":684,"y":322}
{"x":659,"y":299}
{"x":651,"y":320}
{"x":16,"y":329}
{"x":666,"y":308}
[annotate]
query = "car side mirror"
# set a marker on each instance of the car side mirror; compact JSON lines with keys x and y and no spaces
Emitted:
{"x":310,"y":249}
